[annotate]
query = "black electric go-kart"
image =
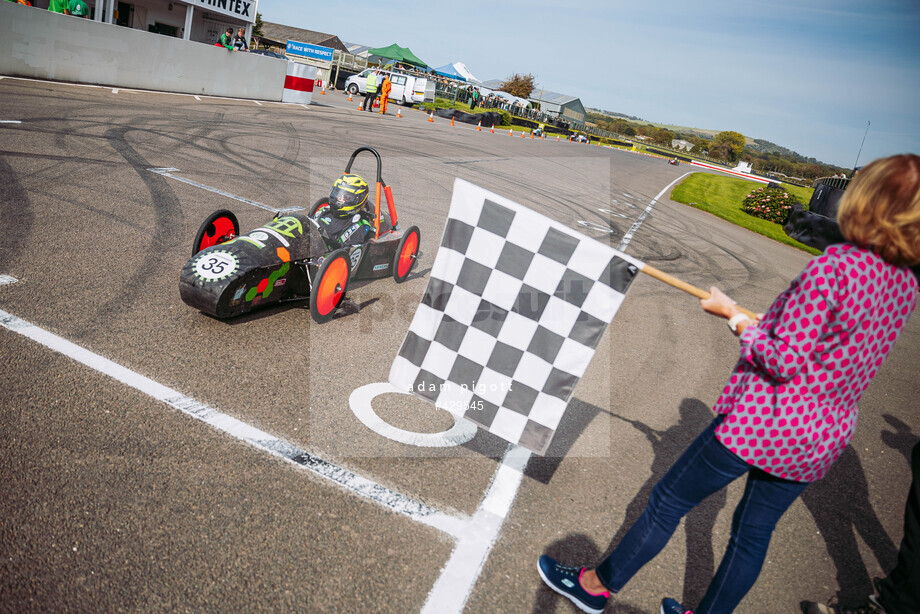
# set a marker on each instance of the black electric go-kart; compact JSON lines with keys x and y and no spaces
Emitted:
{"x":289,"y":259}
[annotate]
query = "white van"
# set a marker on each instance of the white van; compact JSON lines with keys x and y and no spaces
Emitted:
{"x":407,"y":90}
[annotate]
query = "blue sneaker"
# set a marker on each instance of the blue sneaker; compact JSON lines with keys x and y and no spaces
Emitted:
{"x":566,"y":581}
{"x":670,"y":606}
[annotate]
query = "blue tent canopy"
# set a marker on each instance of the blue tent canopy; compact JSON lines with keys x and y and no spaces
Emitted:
{"x":449,"y":71}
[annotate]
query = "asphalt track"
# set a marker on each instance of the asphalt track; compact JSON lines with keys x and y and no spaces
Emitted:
{"x":113,"y":500}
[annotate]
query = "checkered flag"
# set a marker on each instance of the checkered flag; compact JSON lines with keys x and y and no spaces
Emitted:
{"x":515,"y":306}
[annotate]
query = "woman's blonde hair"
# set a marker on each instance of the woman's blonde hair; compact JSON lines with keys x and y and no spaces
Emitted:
{"x":881,"y":209}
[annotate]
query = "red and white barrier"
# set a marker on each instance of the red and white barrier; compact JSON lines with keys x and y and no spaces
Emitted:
{"x":298,"y":84}
{"x":731,"y":172}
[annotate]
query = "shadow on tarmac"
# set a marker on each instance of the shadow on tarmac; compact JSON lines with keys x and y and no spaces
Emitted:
{"x":840,"y":506}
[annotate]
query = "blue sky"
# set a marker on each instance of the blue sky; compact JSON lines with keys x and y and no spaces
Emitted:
{"x":804,"y":75}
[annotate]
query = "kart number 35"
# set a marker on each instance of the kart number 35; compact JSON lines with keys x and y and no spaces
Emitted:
{"x":215,"y":265}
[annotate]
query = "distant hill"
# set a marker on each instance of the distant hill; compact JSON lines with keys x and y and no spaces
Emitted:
{"x":758,"y":145}
{"x":615,"y":114}
{"x":767,"y":147}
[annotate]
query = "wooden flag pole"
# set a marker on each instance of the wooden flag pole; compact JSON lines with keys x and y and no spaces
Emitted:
{"x":688,"y":288}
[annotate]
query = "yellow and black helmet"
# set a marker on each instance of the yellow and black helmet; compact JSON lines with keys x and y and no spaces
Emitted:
{"x":349,"y":193}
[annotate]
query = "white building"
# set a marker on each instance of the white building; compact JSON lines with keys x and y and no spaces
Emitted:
{"x":196,"y":20}
{"x":561,"y":105}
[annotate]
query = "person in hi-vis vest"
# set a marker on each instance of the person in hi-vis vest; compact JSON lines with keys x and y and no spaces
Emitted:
{"x":368,"y":104}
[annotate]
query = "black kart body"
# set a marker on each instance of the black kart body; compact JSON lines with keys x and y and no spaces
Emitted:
{"x":288,"y":258}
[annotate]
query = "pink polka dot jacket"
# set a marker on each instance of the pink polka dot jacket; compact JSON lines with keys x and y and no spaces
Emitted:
{"x":791,"y":399}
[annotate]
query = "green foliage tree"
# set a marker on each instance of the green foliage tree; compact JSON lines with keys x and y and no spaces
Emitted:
{"x":729,"y":144}
{"x":518,"y":85}
{"x":257,"y":26}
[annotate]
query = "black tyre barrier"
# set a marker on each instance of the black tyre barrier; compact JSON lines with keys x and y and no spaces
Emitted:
{"x":812,"y":229}
{"x":818,"y":231}
{"x":825,"y":200}
{"x":488,"y":119}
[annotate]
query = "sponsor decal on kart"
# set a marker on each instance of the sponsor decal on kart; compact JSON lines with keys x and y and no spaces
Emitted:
{"x":265,"y":286}
{"x":351,"y":230}
{"x":287,"y":226}
{"x":355,"y":257}
{"x":380,"y":267}
{"x":239,"y":293}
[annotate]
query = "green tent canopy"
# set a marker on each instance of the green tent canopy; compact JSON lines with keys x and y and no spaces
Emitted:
{"x":400,"y":54}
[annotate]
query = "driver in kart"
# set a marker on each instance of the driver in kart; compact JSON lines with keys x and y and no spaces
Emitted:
{"x":346,"y":221}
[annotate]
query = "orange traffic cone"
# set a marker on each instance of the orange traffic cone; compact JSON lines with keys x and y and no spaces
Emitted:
{"x":431,"y":117}
{"x":493,"y":129}
{"x":531,"y":134}
{"x":324,"y":91}
{"x":451,"y":121}
{"x":479,"y":127}
{"x":398,"y":114}
{"x":376,"y":103}
{"x":510,"y":132}
{"x":543,"y":136}
{"x":349,"y":97}
{"x":523,"y":134}
{"x":360,"y":107}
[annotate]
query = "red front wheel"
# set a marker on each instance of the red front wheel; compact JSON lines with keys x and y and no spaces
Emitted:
{"x":329,"y":286}
{"x":219,"y":227}
{"x":406,"y":254}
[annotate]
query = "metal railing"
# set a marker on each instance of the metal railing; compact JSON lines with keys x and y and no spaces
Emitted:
{"x":840,"y":183}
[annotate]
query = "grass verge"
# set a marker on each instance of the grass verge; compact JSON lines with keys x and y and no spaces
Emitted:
{"x":722,"y":197}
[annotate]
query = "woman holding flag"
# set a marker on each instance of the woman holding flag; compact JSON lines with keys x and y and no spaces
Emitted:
{"x":789,"y":407}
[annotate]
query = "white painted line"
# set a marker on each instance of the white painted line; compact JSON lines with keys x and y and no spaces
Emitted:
{"x":361,"y":400}
{"x":10,"y":121}
{"x":120,"y":89}
{"x":257,"y":102}
{"x":594,"y":226}
{"x":6,"y":279}
{"x":459,"y":575}
{"x":167,"y":172}
{"x":632,"y":230}
{"x":198,"y":98}
{"x":350,"y":481}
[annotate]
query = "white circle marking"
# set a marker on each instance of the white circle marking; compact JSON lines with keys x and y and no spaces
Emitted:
{"x":360,"y":403}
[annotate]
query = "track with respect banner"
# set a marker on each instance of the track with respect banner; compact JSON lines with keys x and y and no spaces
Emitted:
{"x":162,"y":459}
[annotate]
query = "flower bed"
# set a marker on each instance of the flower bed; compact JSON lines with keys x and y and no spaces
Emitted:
{"x":771,"y":204}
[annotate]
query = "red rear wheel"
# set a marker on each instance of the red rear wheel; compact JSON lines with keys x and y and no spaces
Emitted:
{"x":406,"y":254}
{"x":322,"y":202}
{"x":329,"y":286}
{"x":219,"y":227}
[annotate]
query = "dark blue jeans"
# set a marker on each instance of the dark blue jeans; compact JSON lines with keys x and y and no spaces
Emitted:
{"x":704,"y":468}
